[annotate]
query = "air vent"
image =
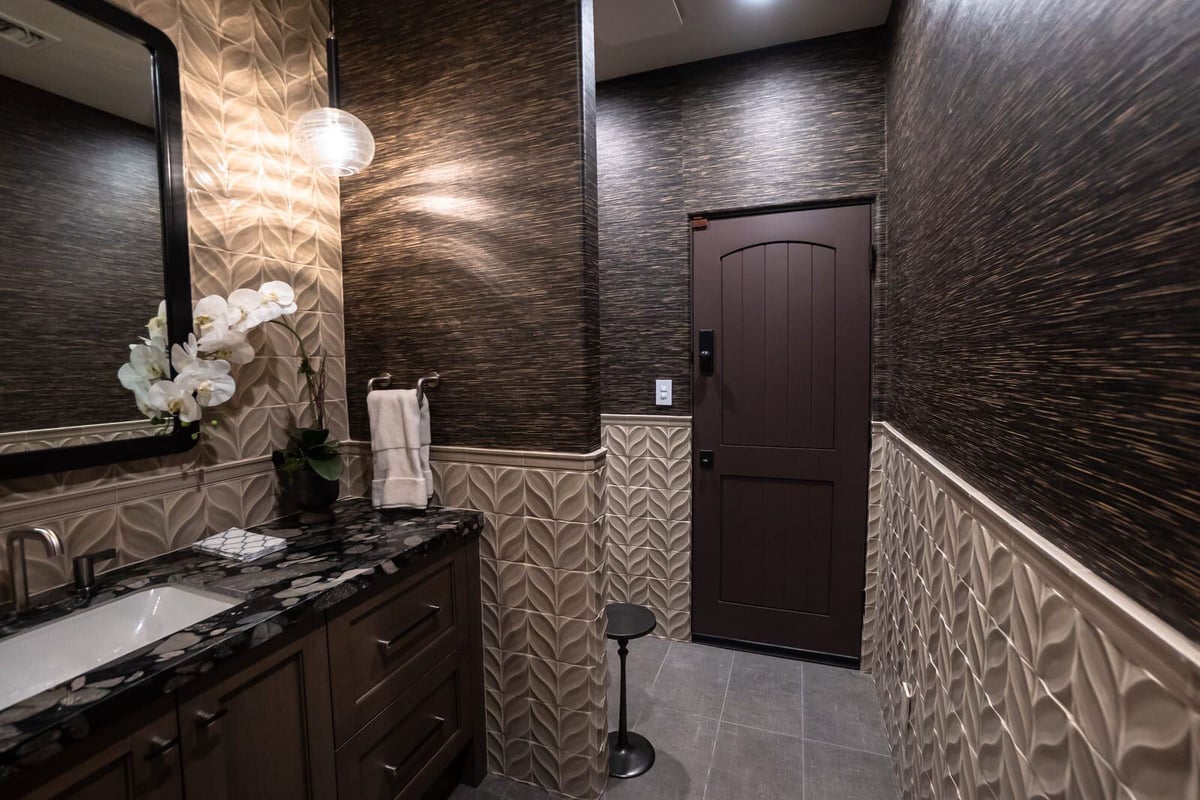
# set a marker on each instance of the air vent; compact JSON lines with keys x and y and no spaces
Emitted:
{"x":16,"y":32}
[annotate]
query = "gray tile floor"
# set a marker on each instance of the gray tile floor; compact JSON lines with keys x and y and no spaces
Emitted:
{"x":729,"y":725}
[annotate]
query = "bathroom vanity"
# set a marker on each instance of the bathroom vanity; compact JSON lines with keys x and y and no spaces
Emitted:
{"x":351,"y":667}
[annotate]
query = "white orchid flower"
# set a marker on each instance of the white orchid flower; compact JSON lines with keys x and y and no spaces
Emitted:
{"x":212,"y":313}
{"x":135,"y":382}
{"x":132,"y":380}
{"x":149,"y":360}
{"x":157,"y":326}
{"x":228,"y":345}
{"x":209,"y":380}
{"x":278,"y":300}
{"x":245,"y":310}
{"x":171,"y":398}
{"x":143,"y":404}
{"x":183,"y":355}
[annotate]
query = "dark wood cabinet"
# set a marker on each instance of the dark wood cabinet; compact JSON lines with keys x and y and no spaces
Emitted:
{"x":400,"y":752}
{"x":380,"y":647}
{"x":263,"y":733}
{"x":407,"y":669}
{"x":141,"y":765}
{"x":406,"y":696}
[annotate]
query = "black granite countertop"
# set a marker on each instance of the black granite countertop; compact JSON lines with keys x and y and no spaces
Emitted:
{"x":323,"y":565}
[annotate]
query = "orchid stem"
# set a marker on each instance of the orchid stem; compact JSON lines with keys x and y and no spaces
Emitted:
{"x":306,"y":369}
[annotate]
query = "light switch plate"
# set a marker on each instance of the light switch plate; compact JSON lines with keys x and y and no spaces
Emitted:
{"x":662,"y":392}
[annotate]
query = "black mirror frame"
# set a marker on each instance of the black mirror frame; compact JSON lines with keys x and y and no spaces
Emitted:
{"x":176,"y":260}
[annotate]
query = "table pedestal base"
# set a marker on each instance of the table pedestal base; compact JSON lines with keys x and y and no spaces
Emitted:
{"x":633,"y":759}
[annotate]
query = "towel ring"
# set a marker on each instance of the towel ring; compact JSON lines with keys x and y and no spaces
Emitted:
{"x":384,"y":381}
{"x":430,"y":381}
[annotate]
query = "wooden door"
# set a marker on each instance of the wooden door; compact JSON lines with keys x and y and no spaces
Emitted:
{"x":265,"y":733}
{"x":142,"y":765}
{"x":783,"y":406}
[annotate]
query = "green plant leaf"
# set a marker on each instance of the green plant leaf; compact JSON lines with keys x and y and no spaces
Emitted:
{"x":322,"y":451}
{"x":328,"y":467}
{"x":312,"y":437}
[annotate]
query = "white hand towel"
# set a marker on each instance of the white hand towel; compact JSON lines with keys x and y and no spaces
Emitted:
{"x":400,"y":449}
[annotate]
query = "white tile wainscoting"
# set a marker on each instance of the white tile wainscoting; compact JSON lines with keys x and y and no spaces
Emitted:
{"x":1029,"y":676}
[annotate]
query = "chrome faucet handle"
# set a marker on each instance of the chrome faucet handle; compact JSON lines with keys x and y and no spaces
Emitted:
{"x":14,"y":545}
{"x":83,"y":568}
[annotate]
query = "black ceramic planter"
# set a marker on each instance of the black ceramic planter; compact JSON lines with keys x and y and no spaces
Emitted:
{"x":314,"y":495}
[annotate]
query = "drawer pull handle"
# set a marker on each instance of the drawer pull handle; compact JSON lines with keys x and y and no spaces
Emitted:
{"x":159,"y":747}
{"x":393,"y":771}
{"x":386,"y":645}
{"x":206,"y":719}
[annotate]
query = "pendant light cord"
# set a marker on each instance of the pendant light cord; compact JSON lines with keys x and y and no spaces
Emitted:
{"x":331,"y":63}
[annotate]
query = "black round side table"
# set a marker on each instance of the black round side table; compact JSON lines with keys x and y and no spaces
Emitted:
{"x":629,"y":754}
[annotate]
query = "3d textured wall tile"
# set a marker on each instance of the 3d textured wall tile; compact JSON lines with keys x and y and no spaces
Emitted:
{"x":545,"y":672}
{"x":1029,"y":679}
{"x":648,"y":513}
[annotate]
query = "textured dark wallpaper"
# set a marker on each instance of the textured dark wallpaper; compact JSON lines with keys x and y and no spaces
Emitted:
{"x":1044,"y":293}
{"x":799,"y":123}
{"x":80,"y":257}
{"x":469,"y":245}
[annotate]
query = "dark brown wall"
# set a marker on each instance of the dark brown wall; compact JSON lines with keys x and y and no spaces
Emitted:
{"x":792,"y":124}
{"x":80,"y":257}
{"x":1044,"y":298}
{"x":469,"y":246}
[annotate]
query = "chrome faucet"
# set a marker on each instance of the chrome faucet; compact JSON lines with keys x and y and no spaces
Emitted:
{"x":14,"y":545}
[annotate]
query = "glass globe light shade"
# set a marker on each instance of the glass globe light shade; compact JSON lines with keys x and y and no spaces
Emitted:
{"x":334,"y":141}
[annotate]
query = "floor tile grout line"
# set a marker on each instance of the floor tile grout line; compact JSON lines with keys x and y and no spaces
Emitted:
{"x":712,"y":756}
{"x":803,"y":717}
{"x":638,"y":713}
{"x":661,"y":664}
{"x":650,"y":688}
{"x":728,"y":680}
{"x":804,"y":738}
{"x":824,"y":743}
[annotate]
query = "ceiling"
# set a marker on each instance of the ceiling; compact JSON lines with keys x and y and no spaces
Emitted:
{"x":640,"y":35}
{"x":82,"y":61}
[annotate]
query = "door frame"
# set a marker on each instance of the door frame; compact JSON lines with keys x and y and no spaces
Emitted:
{"x":873,"y":201}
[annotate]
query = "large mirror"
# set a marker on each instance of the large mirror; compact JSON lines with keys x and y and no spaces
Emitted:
{"x":93,"y":237}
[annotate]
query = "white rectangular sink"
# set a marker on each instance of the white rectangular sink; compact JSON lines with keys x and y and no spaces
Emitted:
{"x":50,"y":654}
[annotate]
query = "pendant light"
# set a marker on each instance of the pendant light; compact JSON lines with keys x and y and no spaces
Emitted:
{"x":334,"y":141}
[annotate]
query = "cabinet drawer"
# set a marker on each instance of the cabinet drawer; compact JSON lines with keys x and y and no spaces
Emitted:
{"x":411,"y":742}
{"x":378,"y":648}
